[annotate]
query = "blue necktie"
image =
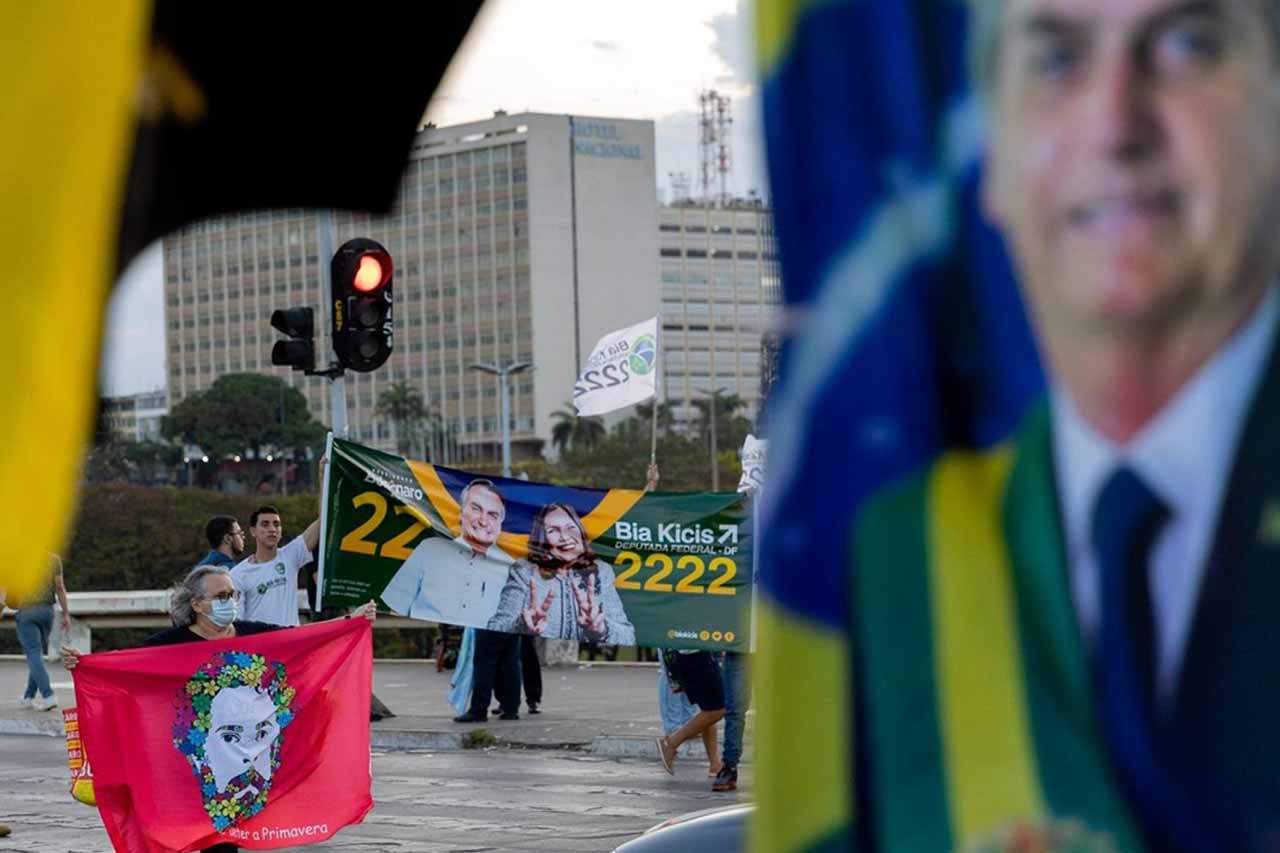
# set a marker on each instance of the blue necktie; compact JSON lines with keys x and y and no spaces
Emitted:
{"x":1127,"y":518}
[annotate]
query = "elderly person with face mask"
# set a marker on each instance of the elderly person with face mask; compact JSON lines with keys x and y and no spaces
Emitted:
{"x":204,"y":606}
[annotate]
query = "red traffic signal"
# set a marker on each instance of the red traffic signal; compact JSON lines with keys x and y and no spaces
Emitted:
{"x":369,"y":274}
{"x":361,"y":286}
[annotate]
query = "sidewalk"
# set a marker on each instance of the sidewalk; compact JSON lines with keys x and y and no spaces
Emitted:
{"x":607,"y":709}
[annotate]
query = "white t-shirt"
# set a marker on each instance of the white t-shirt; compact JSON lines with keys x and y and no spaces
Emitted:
{"x":269,"y":591}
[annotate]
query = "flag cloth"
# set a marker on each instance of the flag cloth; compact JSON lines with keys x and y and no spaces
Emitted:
{"x":259,"y":741}
{"x":910,"y":338}
{"x":621,"y":371}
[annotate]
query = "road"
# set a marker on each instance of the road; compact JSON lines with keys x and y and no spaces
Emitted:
{"x":475,"y":800}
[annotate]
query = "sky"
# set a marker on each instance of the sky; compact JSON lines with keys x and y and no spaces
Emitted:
{"x":584,"y":57}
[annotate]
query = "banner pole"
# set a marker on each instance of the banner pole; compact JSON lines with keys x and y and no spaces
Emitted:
{"x":657,"y":393}
{"x":324,"y":519}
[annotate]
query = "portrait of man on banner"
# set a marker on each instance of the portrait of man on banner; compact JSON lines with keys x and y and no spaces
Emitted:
{"x":563,"y":591}
{"x":456,"y":581}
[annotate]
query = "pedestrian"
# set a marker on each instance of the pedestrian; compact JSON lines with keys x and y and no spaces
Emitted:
{"x":268,"y":579}
{"x":674,"y":706}
{"x":696,"y":672}
{"x":205,"y":606}
{"x":226,"y":539}
{"x":34,"y":625}
{"x":734,"y":670}
{"x":530,"y":675}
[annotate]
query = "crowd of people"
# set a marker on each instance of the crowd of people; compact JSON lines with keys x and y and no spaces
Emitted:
{"x":233,"y":592}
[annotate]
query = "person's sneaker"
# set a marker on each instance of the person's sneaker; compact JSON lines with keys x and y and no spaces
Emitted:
{"x":727,"y":780}
{"x":533,"y":708}
{"x":42,"y":703}
{"x":509,"y":715}
{"x":24,"y":702}
{"x":469,"y":718}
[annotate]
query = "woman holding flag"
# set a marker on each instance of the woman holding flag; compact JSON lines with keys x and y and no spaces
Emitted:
{"x":204,"y":606}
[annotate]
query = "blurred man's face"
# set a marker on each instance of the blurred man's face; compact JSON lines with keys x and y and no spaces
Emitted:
{"x":482,"y":514}
{"x":1135,"y":158}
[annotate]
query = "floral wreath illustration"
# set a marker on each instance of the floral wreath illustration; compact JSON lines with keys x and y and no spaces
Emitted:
{"x":229,"y":727}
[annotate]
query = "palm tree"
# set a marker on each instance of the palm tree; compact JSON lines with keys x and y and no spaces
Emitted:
{"x":726,"y":418}
{"x":405,"y":407}
{"x":571,"y":430}
{"x":666,"y":419}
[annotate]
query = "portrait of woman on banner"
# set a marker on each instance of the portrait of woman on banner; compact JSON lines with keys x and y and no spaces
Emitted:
{"x":562,"y":591}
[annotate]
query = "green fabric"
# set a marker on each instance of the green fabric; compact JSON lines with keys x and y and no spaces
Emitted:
{"x":894,"y":670}
{"x":894,"y":662}
{"x":1072,"y":759}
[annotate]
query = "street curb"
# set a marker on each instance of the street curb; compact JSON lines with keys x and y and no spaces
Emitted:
{"x":46,"y":726}
{"x":631,"y":746}
{"x":439,"y":741}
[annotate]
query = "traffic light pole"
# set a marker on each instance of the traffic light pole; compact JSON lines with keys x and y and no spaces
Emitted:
{"x":335,"y":373}
{"x":338,"y":401}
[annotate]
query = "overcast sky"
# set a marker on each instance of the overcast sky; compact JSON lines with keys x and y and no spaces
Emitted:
{"x":585,"y":57}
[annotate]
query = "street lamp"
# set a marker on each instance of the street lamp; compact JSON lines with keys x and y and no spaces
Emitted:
{"x":504,"y":403}
{"x":712,"y":404}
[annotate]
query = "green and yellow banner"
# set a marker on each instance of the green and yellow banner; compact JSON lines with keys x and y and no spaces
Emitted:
{"x":616,"y":566}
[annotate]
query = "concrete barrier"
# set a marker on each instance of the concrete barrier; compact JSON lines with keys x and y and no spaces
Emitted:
{"x":141,"y":608}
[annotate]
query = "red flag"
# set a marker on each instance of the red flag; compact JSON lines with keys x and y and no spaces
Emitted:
{"x":261,"y":741}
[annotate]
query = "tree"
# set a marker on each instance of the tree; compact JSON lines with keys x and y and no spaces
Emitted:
{"x":731,"y":428}
{"x":405,"y":407}
{"x":573,"y":431}
{"x":644,"y":414}
{"x":245,"y":411}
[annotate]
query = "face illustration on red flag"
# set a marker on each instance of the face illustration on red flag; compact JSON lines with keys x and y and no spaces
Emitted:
{"x":228,"y":725}
{"x":231,"y":740}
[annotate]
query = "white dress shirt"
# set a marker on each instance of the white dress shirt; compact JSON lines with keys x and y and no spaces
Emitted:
{"x":445,"y":580}
{"x":1184,"y":455}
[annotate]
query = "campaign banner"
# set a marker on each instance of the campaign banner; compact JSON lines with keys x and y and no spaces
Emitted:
{"x":615,"y":566}
{"x":259,"y":741}
{"x":621,"y":371}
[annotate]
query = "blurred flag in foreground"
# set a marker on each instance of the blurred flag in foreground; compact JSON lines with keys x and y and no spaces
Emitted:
{"x":129,"y":122}
{"x":907,"y":336}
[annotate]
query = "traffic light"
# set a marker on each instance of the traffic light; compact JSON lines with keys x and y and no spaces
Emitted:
{"x":361,"y":285}
{"x":299,"y":352}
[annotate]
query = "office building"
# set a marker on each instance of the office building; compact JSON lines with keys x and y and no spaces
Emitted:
{"x":518,"y":238}
{"x":720,"y":292}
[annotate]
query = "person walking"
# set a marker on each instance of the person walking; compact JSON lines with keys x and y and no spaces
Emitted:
{"x":698,"y":675}
{"x":34,"y":624}
{"x":737,"y":698}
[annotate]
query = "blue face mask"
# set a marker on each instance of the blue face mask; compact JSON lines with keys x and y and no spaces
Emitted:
{"x":222,"y":613}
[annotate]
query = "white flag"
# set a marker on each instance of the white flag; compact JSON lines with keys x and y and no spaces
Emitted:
{"x":621,"y":371}
{"x":753,"y":453}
